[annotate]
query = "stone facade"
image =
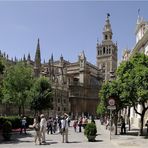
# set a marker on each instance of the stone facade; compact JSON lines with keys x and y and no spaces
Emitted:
{"x":76,"y":85}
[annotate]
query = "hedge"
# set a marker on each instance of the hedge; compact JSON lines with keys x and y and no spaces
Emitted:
{"x":15,"y":121}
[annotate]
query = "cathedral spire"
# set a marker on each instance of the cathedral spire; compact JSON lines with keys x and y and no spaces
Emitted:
{"x":29,"y":57}
{"x":37,"y":64}
{"x":107,"y":33}
{"x":52,"y":58}
{"x":38,"y":55}
{"x":24,"y":58}
{"x":61,"y":57}
{"x":107,"y":26}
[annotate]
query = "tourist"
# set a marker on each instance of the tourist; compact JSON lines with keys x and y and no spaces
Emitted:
{"x":43,"y":125}
{"x":64,"y":128}
{"x":75,"y":123}
{"x":23,"y":125}
{"x":123,"y":128}
{"x":80,"y":124}
{"x":36,"y":126}
{"x":50,"y":125}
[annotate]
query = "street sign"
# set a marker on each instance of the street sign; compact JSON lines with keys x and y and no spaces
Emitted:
{"x":111,"y":107}
{"x":111,"y":102}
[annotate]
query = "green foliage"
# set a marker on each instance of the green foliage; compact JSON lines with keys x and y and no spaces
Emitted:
{"x":16,"y":85}
{"x":42,"y":95}
{"x":7,"y":128}
{"x":1,"y":67}
{"x":130,"y":87}
{"x":101,"y":109}
{"x":90,"y":130}
{"x":133,"y":75}
{"x":110,"y":89}
{"x":15,"y":121}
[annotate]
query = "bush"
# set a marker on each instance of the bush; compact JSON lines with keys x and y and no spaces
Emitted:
{"x":15,"y":121}
{"x":29,"y":121}
{"x":90,"y":131}
{"x":7,"y":129}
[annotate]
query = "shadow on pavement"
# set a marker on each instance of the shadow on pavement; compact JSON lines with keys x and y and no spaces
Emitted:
{"x":17,"y":138}
{"x":98,"y":141}
{"x":49,"y":143}
{"x":75,"y":142}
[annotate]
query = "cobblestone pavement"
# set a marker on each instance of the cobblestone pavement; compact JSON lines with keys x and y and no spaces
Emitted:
{"x":77,"y":140}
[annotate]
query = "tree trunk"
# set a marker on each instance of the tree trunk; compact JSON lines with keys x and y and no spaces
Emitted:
{"x":19,"y":110}
{"x":23,"y":109}
{"x":141,"y":124}
{"x":129,"y":122}
{"x":116,"y":122}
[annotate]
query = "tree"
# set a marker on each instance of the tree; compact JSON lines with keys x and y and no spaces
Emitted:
{"x":16,"y":85}
{"x":42,"y":95}
{"x":111,"y":90}
{"x":134,"y":77}
{"x":2,"y":67}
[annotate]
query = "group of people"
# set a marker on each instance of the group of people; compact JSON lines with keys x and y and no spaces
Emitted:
{"x":80,"y":122}
{"x":41,"y":126}
{"x":121,"y":121}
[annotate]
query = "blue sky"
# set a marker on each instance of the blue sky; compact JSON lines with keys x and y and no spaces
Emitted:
{"x":66,"y":27}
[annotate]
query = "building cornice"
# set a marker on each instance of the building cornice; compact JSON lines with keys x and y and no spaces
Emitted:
{"x":140,"y":43}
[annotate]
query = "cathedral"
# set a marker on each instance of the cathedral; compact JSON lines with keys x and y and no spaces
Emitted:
{"x":76,"y":85}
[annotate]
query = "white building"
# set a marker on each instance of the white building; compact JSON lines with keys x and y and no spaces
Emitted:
{"x":141,"y":46}
{"x":141,"y":36}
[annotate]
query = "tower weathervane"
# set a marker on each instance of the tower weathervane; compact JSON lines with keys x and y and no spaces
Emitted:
{"x":108,"y":15}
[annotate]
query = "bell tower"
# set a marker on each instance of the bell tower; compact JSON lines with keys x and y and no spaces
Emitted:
{"x":107,"y":51}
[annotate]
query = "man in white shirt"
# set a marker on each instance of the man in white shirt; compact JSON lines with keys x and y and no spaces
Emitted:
{"x":43,"y":125}
{"x":64,"y":127}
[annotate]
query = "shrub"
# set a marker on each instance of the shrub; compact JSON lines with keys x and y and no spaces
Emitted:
{"x":90,"y":131}
{"x":7,"y":128}
{"x":15,"y":121}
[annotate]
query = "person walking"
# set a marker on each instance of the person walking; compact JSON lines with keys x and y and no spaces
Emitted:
{"x":43,"y":125}
{"x":146,"y":124}
{"x":123,"y":128}
{"x":23,"y":125}
{"x":75,"y":123}
{"x":80,"y":124}
{"x":64,"y":128}
{"x":50,"y":125}
{"x":36,"y":126}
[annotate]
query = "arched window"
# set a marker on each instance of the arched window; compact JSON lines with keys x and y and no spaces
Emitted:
{"x":105,"y":37}
{"x":98,"y":52}
{"x":109,"y":50}
{"x":103,"y":50}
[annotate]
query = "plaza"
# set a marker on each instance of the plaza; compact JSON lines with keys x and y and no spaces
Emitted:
{"x":78,"y":140}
